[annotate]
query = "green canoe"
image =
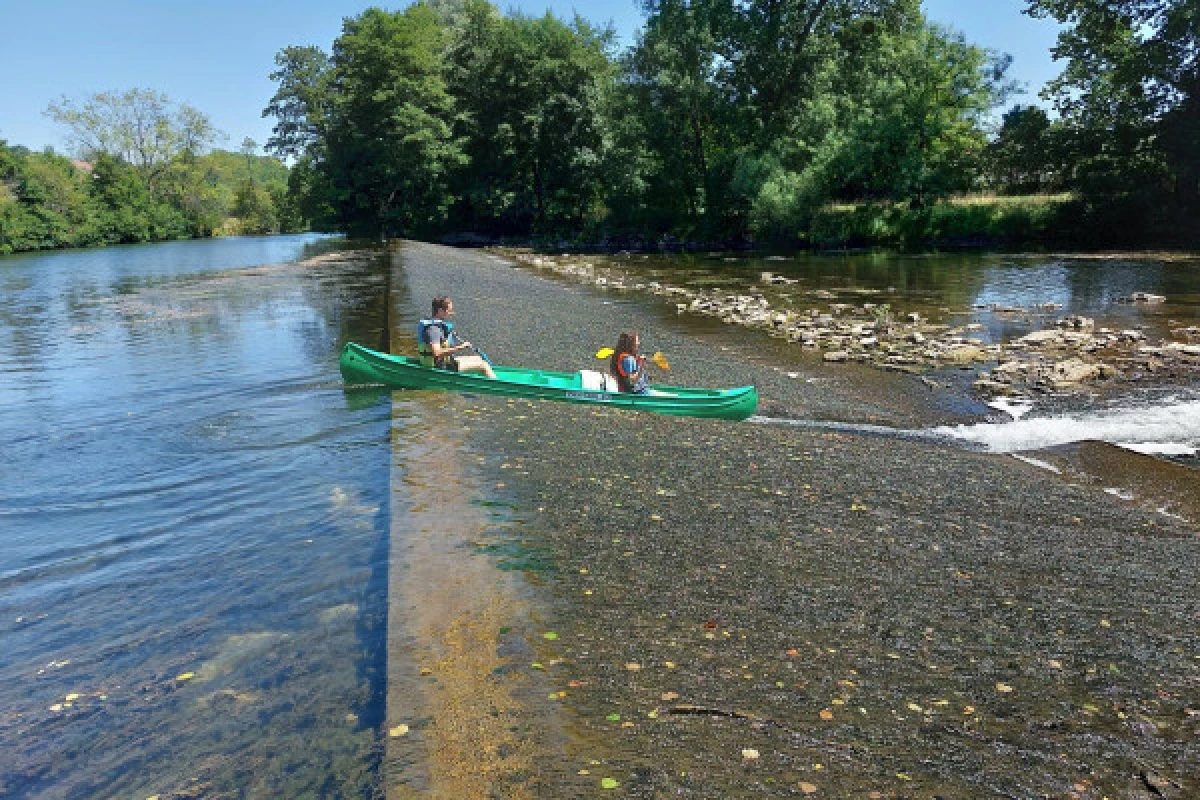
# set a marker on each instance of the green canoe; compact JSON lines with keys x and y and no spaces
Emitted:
{"x":361,"y":365}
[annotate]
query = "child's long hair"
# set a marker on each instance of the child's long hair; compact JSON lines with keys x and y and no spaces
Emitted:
{"x":626,"y":345}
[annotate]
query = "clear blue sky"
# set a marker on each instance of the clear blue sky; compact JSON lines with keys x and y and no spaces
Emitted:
{"x":216,"y":54}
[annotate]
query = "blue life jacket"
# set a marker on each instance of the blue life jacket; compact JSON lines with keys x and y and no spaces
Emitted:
{"x":424,"y":350}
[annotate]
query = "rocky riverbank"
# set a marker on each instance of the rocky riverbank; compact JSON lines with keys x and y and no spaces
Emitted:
{"x":732,"y":610}
{"x":1069,"y":354}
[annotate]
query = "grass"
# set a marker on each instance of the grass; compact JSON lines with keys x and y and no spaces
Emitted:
{"x":968,"y":219}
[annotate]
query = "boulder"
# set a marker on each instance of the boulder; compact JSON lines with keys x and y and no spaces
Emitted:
{"x":1040,"y":337}
{"x":837,"y":356}
{"x":963,"y":355}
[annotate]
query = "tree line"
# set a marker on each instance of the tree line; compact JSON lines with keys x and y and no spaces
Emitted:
{"x":725,"y":121}
{"x":728,"y":121}
{"x":144,"y":173}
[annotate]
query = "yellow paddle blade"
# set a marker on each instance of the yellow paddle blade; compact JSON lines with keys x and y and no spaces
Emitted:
{"x":604,"y":352}
{"x":660,"y":360}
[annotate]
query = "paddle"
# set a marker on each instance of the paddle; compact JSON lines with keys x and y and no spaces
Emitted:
{"x":659,"y":359}
{"x":482,"y":354}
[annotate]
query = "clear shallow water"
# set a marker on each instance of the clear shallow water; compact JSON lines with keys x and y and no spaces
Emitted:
{"x":949,"y":287}
{"x":192,"y":523}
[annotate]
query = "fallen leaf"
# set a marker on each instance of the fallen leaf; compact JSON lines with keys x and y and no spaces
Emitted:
{"x":399,"y":730}
{"x":749,"y":754}
{"x":808,"y":788}
{"x":550,"y":635}
{"x":608,"y":783}
{"x":969,"y":710}
{"x":670,"y":696}
{"x":633,"y":666}
{"x":1004,"y":688}
{"x":574,"y":684}
{"x":1055,"y":663}
{"x":72,"y":697}
{"x":826,"y":714}
{"x":186,"y":676}
{"x":916,"y":708}
{"x":793,"y":652}
{"x":613,"y":718}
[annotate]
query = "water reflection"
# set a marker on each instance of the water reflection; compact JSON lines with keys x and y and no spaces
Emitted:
{"x":1005,"y":293}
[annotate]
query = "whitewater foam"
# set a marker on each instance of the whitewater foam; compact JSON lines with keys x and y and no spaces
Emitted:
{"x":1168,"y":427}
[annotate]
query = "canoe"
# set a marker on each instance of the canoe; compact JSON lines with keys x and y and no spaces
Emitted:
{"x":361,"y":365}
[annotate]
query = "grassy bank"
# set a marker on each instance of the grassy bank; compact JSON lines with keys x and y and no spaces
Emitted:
{"x":973,"y":220}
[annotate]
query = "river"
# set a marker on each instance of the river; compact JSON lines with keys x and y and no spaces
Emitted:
{"x":192,"y":517}
{"x":196,"y":521}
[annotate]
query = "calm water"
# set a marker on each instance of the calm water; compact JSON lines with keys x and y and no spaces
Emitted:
{"x":192,"y":523}
{"x":952,"y":287}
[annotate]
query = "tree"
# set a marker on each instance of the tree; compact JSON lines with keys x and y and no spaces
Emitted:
{"x":388,"y":144}
{"x":528,"y":98}
{"x":141,"y":127}
{"x":299,"y":104}
{"x":1022,"y":158}
{"x":1129,"y":97}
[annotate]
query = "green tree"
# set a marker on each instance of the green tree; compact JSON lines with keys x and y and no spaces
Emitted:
{"x":1022,"y":157}
{"x":299,"y":104}
{"x":1129,"y":98}
{"x":389,"y":148}
{"x":140,"y":126}
{"x":528,"y":93}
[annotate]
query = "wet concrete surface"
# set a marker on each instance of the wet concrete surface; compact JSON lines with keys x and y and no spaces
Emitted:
{"x":749,"y":610}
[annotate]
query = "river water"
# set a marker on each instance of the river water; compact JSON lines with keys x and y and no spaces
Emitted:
{"x":192,"y":523}
{"x":194,"y":514}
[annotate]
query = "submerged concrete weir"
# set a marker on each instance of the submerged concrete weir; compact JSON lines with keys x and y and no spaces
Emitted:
{"x":466,"y":715}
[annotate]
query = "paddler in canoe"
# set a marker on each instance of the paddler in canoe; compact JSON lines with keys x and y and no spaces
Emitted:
{"x":438,"y":346}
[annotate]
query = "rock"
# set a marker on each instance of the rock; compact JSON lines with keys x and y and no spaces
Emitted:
{"x":1076,"y":370}
{"x":916,"y":337}
{"x":1077,"y":323}
{"x":992,"y":387}
{"x":963,"y":355}
{"x":837,"y":356}
{"x":1009,"y":370}
{"x":913,"y":317}
{"x":1040,"y":337}
{"x":1145,"y":297}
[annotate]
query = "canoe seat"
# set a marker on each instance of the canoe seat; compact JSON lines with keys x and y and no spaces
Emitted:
{"x":594,"y":381}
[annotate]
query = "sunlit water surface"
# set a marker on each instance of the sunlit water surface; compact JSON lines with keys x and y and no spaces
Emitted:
{"x":192,"y":523}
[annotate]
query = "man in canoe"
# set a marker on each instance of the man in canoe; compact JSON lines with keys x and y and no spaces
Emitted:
{"x":438,"y":346}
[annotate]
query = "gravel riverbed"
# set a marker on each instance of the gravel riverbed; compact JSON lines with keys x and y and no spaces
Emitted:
{"x":773,"y":610}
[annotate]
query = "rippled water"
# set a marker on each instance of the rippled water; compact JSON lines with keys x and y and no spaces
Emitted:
{"x":192,"y":523}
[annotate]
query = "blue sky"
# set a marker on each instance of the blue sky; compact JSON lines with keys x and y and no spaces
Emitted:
{"x":216,"y":54}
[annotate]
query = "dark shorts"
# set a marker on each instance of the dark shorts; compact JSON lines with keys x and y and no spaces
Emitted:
{"x":447,"y":363}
